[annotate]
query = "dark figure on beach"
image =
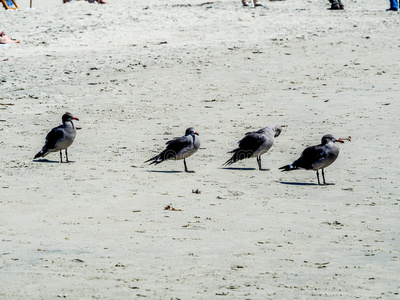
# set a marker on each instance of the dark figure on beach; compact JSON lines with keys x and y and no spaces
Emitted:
{"x":394,"y":5}
{"x":336,"y":4}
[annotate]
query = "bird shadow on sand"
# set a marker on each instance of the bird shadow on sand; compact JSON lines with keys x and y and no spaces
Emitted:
{"x":244,"y":169}
{"x":167,"y":172}
{"x":298,"y":183}
{"x":52,"y":161}
{"x":46,"y":161}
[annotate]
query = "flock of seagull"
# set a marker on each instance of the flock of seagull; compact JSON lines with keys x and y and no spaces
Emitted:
{"x":253,"y":144}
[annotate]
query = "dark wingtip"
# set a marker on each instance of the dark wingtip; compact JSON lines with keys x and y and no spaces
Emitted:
{"x":285,"y":168}
{"x":228,"y":162}
{"x":152,"y":160}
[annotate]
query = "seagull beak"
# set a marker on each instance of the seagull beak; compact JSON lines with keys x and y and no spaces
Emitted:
{"x":75,"y":118}
{"x":196,"y":133}
{"x":340,"y":141}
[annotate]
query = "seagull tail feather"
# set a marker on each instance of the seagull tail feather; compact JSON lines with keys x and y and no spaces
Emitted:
{"x":152,"y":160}
{"x":39,"y":154}
{"x":238,"y":154}
{"x":290,"y":167}
{"x":229,"y":162}
{"x":155,"y":160}
{"x":42,"y":153}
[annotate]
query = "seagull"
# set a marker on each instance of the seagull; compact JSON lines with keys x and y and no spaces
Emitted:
{"x":317,"y":157}
{"x":179,"y":148}
{"x":60,"y":138}
{"x":255,"y":144}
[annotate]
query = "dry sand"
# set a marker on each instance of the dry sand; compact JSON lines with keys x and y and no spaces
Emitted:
{"x":139,"y":73}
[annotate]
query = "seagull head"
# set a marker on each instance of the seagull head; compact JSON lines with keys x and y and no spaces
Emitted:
{"x":190,"y":131}
{"x":68,"y":117}
{"x":278,"y":130}
{"x":329,"y":138}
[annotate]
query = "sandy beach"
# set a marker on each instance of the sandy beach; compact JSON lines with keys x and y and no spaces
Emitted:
{"x":137,"y":74}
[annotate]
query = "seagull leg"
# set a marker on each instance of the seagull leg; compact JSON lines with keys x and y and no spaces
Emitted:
{"x":186,"y":169}
{"x":259,"y":162}
{"x":318,"y":178}
{"x":60,"y":156}
{"x":66,"y":155}
{"x":323,"y":176}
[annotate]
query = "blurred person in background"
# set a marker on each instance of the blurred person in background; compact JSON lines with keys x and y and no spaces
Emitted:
{"x":4,"y":38}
